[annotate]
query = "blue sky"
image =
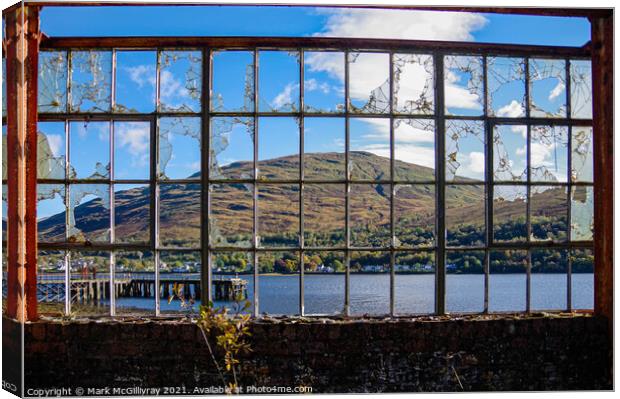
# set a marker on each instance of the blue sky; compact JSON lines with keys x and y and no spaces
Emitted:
{"x":323,"y":86}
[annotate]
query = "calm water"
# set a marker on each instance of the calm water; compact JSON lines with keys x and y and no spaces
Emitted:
{"x":369,"y":294}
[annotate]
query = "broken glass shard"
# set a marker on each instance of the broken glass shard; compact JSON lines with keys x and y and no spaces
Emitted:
{"x":52,"y":83}
{"x":91,"y":77}
{"x":414,"y":84}
{"x":180,"y":81}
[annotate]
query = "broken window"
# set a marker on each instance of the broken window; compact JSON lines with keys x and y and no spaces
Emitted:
{"x":90,"y":81}
{"x":180,"y":81}
{"x":547,"y":88}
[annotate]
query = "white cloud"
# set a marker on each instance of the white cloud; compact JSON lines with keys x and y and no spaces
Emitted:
{"x":55,"y":141}
{"x":134,"y":137}
{"x":557,"y":90}
{"x":512,"y":110}
{"x":285,"y":96}
{"x":142,"y":75}
{"x":313,"y":85}
{"x":476,"y":162}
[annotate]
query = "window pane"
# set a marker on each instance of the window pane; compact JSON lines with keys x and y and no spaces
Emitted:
{"x":370,"y":283}
{"x":179,"y":215}
{"x":582,"y":279}
{"x":370,"y":215}
{"x":232,"y":148}
{"x":278,"y":215}
{"x":278,"y":148}
{"x":324,"y":215}
{"x":549,"y":153}
{"x":369,"y":83}
{"x":91,"y":81}
{"x":278,"y":81}
{"x":547,"y":88}
{"x":84,"y":162}
{"x":132,"y":148}
{"x":463,"y":85}
{"x":581,"y":89}
{"x":324,"y":283}
{"x":180,"y":282}
{"x":507,"y":283}
{"x":51,"y":213}
{"x":510,"y":153}
{"x":509,"y":213}
{"x":90,"y":273}
{"x":414,"y":287}
{"x":465,"y":281}
{"x":506,"y":86}
{"x":179,"y":148}
{"x":414,"y":150}
{"x":370,"y":148}
{"x":582,"y":154}
{"x":52,"y":83}
{"x":132,"y":218}
{"x":549,"y":213}
{"x":136,"y":74}
{"x":278,"y":284}
{"x":582,"y":213}
{"x":232,"y":215}
{"x":414,"y":84}
{"x":89,"y":213}
{"x":50,"y":150}
{"x":324,"y":149}
{"x":549,"y":279}
{"x":233,"y":81}
{"x":51,"y":286}
{"x":139,"y":297}
{"x":414,"y":208}
{"x":323,"y":82}
{"x":465,"y":216}
{"x":465,"y":159}
{"x":233,"y":281}
{"x":180,"y":81}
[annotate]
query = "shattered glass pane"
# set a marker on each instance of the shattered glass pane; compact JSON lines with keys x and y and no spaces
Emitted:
{"x":89,"y":213}
{"x":463,"y":85}
{"x":179,"y":215}
{"x":132,"y":205}
{"x":132,"y":148}
{"x":86,"y":266}
{"x":51,"y":150}
{"x":465,"y":267}
{"x":51,"y":213}
{"x":414,"y":215}
{"x":582,"y":154}
{"x":506,"y":87}
{"x":547,"y":88}
{"x":414,"y":150}
{"x":132,"y":263}
{"x":465,"y":159}
{"x":465,"y":215}
{"x":323,"y":82}
{"x":232,"y":215}
{"x":91,"y":81}
{"x":549,"y":279}
{"x":414,"y":84}
{"x":370,"y":215}
{"x":369,"y":83}
{"x":232,"y":148}
{"x":278,"y":81}
{"x":278,"y":215}
{"x":414,"y":285}
{"x":510,"y":153}
{"x":507,"y":283}
{"x":136,"y":76}
{"x":582,"y":213}
{"x":278,"y":148}
{"x":369,"y":147}
{"x":581,"y":89}
{"x":179,"y":148}
{"x":233,"y":81}
{"x":180,"y":81}
{"x":324,"y":212}
{"x":84,"y":162}
{"x":549,"y":153}
{"x":52,"y":83}
{"x":324,"y":148}
{"x":509,"y":213}
{"x":549,"y":213}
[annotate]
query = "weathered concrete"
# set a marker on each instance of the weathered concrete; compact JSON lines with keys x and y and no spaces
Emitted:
{"x":425,"y":354}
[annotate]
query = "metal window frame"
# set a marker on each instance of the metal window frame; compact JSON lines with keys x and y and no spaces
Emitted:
{"x":438,"y":50}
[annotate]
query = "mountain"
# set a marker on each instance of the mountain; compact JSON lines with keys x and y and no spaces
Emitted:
{"x":231,"y":219}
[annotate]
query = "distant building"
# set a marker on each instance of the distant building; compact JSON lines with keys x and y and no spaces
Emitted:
{"x":372,"y":268}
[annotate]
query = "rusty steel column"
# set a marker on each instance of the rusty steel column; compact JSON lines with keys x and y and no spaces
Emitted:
{"x":22,"y":28}
{"x":603,"y":119}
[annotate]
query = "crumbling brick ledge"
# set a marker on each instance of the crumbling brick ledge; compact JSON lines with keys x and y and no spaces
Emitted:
{"x":468,"y":353}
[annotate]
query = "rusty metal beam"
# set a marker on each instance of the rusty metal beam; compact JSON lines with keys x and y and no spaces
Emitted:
{"x":22,"y":27}
{"x":141,"y":42}
{"x":540,"y":11}
{"x":603,"y":108}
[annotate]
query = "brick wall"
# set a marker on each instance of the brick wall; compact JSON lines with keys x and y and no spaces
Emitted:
{"x":425,"y":354}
